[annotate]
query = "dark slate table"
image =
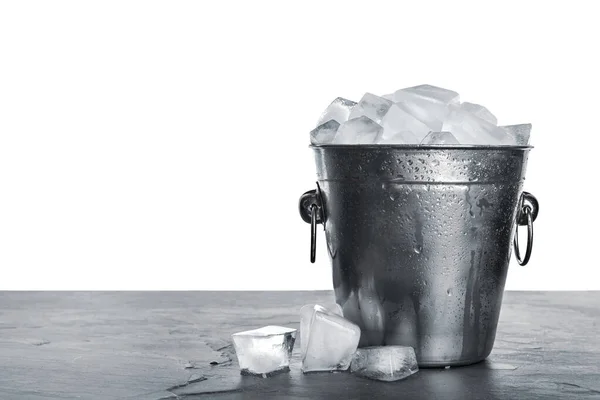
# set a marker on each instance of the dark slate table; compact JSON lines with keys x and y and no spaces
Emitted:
{"x":175,"y":345}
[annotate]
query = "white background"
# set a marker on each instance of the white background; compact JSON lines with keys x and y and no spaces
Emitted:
{"x":164,"y":145}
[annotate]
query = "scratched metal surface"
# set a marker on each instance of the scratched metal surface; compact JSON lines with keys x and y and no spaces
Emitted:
{"x":161,"y":345}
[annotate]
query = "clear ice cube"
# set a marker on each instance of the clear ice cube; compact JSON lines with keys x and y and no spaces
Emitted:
{"x":306,"y":315}
{"x":338,"y":110}
{"x":405,"y":137}
{"x":430,"y":113}
{"x":384,"y":363}
{"x":331,"y":342}
{"x":264,"y":351}
{"x":324,"y":133}
{"x":361,"y":130}
{"x":479,"y":111}
{"x":427,"y":103}
{"x":440,"y":138}
{"x":399,"y":119}
{"x":519,"y":133}
{"x":470,"y":129}
{"x":371,"y":106}
{"x":429,"y":92}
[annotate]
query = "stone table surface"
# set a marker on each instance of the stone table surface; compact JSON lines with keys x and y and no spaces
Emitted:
{"x":176,"y":345}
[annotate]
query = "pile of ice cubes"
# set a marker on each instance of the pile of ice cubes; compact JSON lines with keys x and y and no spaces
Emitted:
{"x":419,"y":115}
{"x":329,"y":342}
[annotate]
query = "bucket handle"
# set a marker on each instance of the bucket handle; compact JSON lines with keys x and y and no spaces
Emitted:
{"x":526,"y":213}
{"x":312,"y":212}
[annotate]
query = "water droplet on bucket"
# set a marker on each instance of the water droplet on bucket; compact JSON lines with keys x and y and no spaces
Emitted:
{"x":449,"y":291}
{"x":418,"y":248}
{"x":392,"y":197}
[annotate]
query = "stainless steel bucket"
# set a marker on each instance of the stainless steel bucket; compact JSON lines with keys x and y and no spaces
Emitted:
{"x":420,"y":241}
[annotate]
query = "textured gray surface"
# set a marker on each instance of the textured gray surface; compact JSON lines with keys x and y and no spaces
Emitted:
{"x":148,"y":345}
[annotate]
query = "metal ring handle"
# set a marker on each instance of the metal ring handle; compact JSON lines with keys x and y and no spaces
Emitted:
{"x":527,"y":199}
{"x":313,"y":232}
{"x":307,"y":200}
{"x":312,"y":212}
{"x":528,"y":215}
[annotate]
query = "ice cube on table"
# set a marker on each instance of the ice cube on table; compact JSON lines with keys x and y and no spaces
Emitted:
{"x":371,"y":106}
{"x":470,"y":129}
{"x":519,"y":133}
{"x":306,"y":315}
{"x":480,"y":111}
{"x":264,"y":351}
{"x":324,"y":133}
{"x":398,"y":119}
{"x":361,"y":130}
{"x":331,"y":342}
{"x":440,"y":138}
{"x":338,"y":110}
{"x":384,"y":363}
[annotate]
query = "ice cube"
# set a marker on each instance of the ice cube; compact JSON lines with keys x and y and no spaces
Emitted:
{"x":398,"y":119}
{"x":361,"y":130}
{"x":324,"y":133}
{"x":371,"y":106}
{"x":384,"y":363}
{"x":519,"y":133}
{"x":429,"y":113}
{"x":440,"y":138}
{"x":428,"y":92}
{"x":470,"y":129}
{"x":405,"y":137}
{"x":264,"y":351}
{"x":331,"y":342}
{"x":429,"y":104}
{"x":306,"y":315}
{"x":389,"y":96}
{"x":480,"y":111}
{"x":338,"y":110}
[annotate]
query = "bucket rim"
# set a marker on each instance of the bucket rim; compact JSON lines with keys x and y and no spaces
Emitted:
{"x":420,"y":147}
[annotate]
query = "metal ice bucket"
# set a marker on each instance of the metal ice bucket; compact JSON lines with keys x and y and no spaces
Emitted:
{"x":420,"y":241}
